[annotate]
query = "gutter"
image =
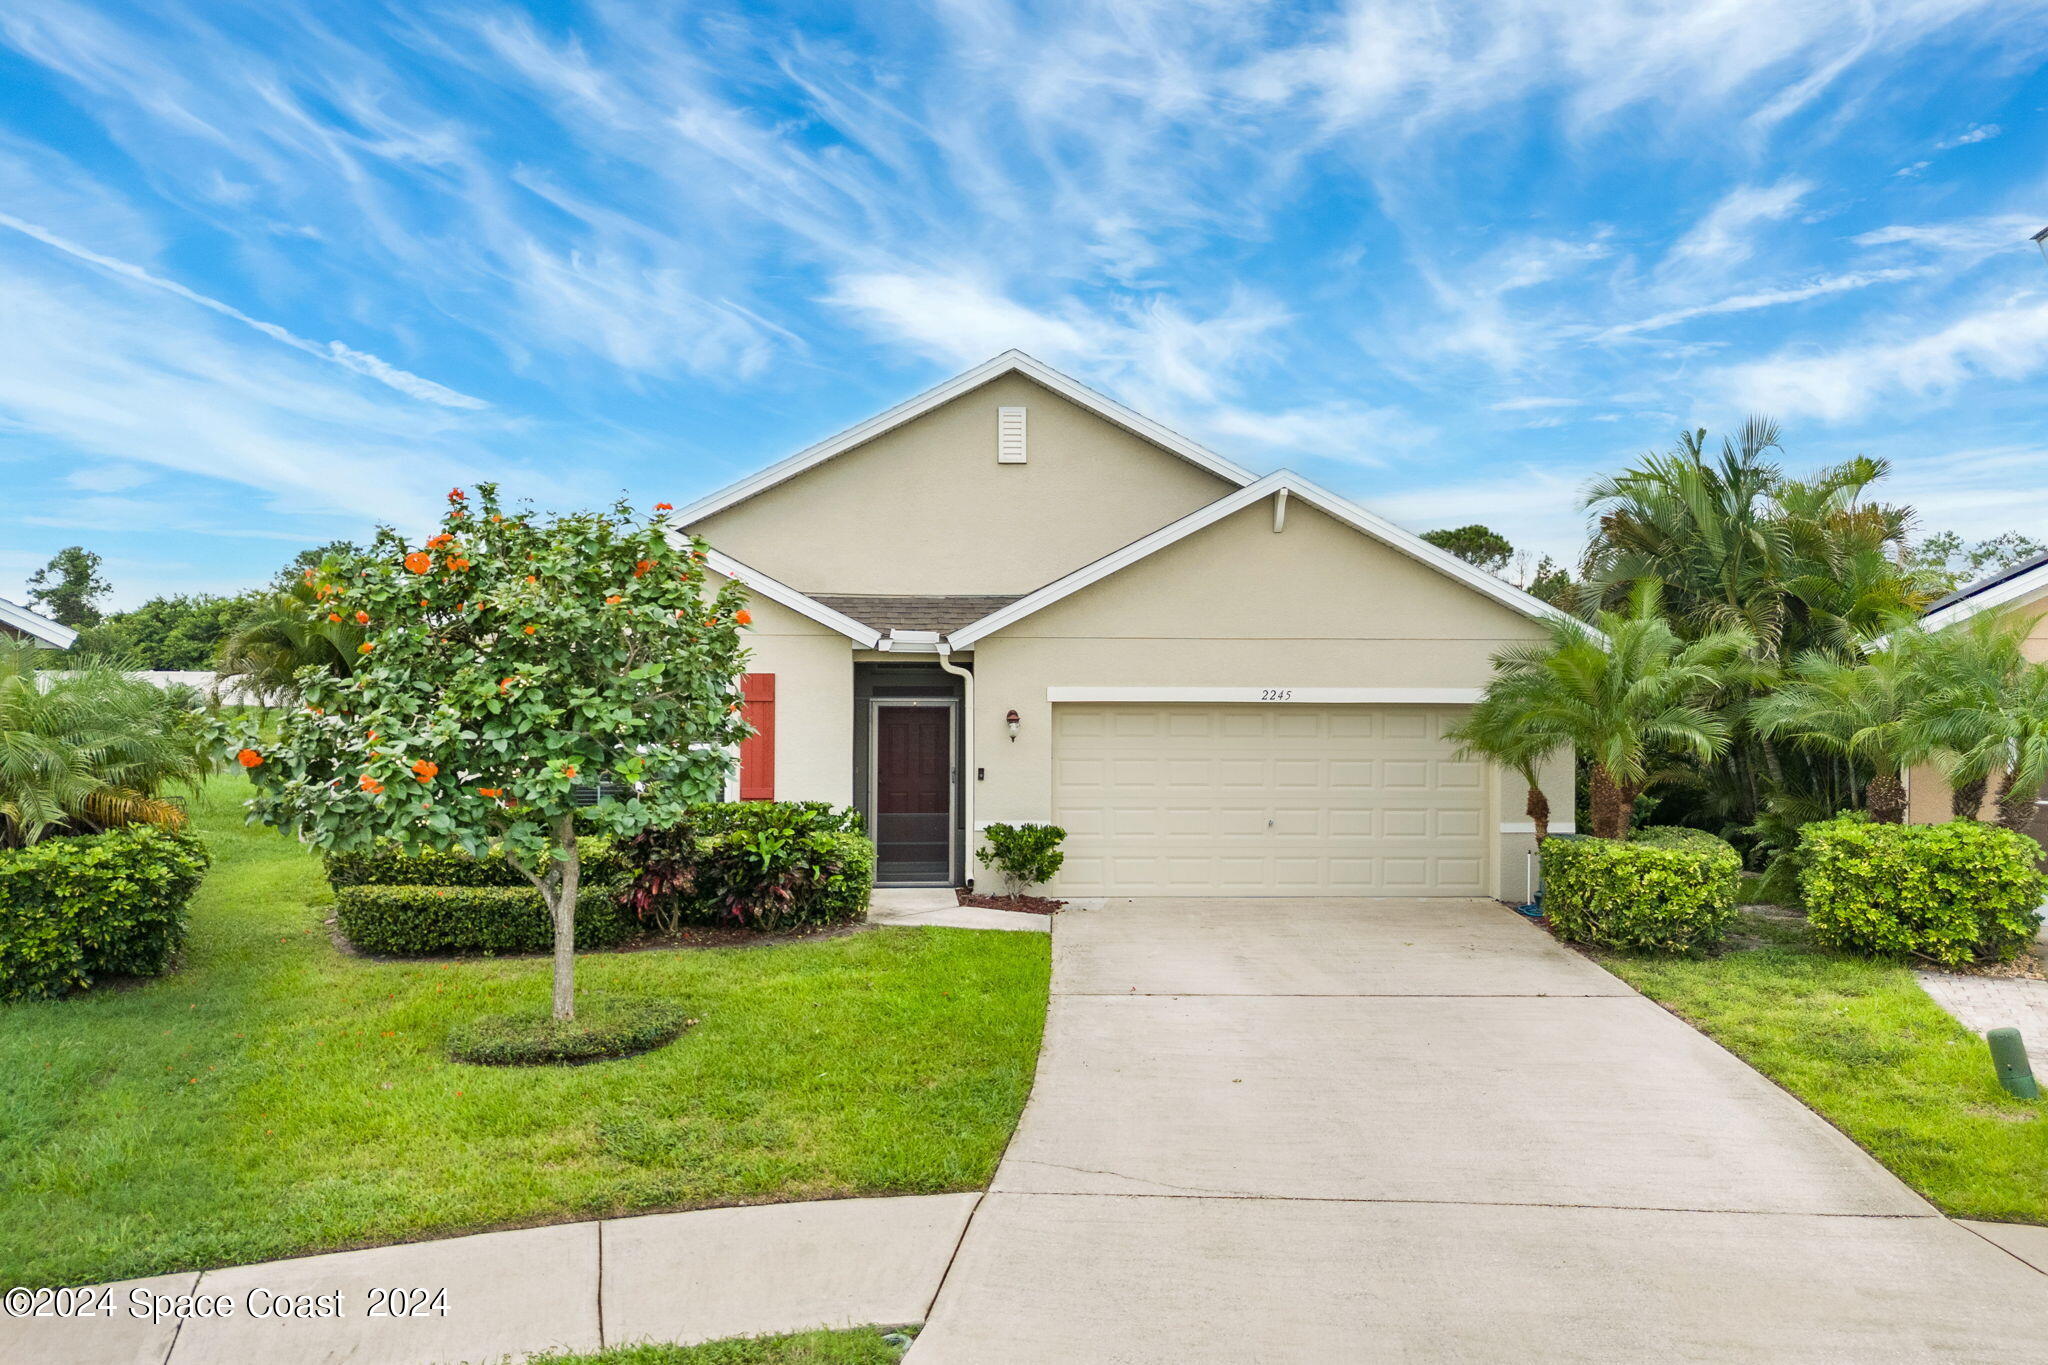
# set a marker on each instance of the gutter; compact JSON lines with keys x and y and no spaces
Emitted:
{"x":968,"y":772}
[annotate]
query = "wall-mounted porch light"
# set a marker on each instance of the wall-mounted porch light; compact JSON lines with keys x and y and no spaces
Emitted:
{"x":1011,"y":721}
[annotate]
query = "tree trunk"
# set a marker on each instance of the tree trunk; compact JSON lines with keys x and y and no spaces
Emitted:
{"x":1885,"y":799}
{"x":2015,"y":808}
{"x":567,"y":874}
{"x":1539,"y":813}
{"x":1772,"y":764}
{"x":1967,"y":799}
{"x":1604,"y":795}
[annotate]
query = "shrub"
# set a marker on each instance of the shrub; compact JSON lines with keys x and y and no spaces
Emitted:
{"x":1666,"y":890}
{"x":76,"y":908}
{"x":415,"y":921}
{"x":766,"y":865}
{"x":389,"y":865}
{"x":603,"y":1028}
{"x":1953,"y":892}
{"x":1025,"y":854}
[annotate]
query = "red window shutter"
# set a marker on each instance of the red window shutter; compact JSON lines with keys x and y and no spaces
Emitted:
{"x":757,"y":754}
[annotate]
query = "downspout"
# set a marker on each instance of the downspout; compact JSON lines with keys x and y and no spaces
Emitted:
{"x":968,"y":772}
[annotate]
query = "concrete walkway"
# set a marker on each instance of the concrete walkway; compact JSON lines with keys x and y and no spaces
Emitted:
{"x":679,"y":1277}
{"x":1266,"y":1130}
{"x":939,"y":908}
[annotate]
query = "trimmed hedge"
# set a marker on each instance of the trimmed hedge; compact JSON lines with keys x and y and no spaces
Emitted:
{"x":1955,"y":892}
{"x":416,"y":921}
{"x":75,"y":908}
{"x":388,"y":865}
{"x":1666,"y":890}
{"x":602,"y":1029}
{"x":768,"y":865}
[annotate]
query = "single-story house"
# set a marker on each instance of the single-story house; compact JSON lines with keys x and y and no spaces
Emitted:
{"x":2022,"y":590}
{"x":19,"y":623}
{"x":1012,"y":599}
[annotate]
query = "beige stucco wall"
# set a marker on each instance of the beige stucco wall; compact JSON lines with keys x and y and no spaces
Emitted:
{"x":813,"y":670}
{"x":1235,"y":605}
{"x":926,"y":508}
{"x":1927,"y":792}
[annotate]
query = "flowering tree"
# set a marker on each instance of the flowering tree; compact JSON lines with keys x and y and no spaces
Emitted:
{"x":503,"y":663}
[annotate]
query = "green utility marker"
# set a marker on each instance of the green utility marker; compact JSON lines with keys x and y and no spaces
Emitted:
{"x":2009,"y":1059}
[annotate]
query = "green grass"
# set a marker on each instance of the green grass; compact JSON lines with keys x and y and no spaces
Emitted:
{"x":273,"y":1096}
{"x":1864,"y":1046}
{"x":855,"y":1346}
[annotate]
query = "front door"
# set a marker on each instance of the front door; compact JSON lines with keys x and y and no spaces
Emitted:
{"x":913,"y":805}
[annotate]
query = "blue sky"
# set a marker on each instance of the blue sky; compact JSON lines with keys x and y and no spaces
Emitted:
{"x":273,"y":272}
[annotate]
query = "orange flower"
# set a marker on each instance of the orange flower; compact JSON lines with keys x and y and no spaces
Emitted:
{"x":569,"y":771}
{"x":419,"y":561}
{"x":334,"y":616}
{"x":362,"y":618}
{"x":425,"y":771}
{"x":641,"y":567}
{"x":423,"y":601}
{"x":492,"y":792}
{"x":457,"y":495}
{"x":437,"y":542}
{"x":613,"y":600}
{"x":663,"y":507}
{"x":504,"y":683}
{"x":531,"y":579}
{"x":365,"y":647}
{"x":249,"y":758}
{"x":373,"y":734}
{"x":529,"y":630}
{"x":369,"y":784}
{"x":458,"y":563}
{"x":743,"y":617}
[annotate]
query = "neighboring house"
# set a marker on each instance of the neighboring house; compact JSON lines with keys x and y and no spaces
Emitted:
{"x":2022,"y":590}
{"x":1012,"y":599}
{"x":18,"y":622}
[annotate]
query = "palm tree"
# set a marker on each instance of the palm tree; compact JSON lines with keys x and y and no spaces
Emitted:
{"x":1863,"y":712}
{"x":1969,"y":676}
{"x":1622,"y":696}
{"x":286,"y":632}
{"x":87,"y":750}
{"x":1507,"y":727}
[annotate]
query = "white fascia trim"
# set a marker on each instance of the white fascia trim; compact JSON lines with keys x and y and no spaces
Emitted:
{"x":1006,"y":363}
{"x":1529,"y":827}
{"x":1273,"y":696}
{"x":2032,"y":581}
{"x":36,"y":626}
{"x":1287,"y":481}
{"x":755,"y":581}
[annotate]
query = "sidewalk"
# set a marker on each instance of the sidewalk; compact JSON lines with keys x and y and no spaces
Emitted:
{"x":673,"y":1277}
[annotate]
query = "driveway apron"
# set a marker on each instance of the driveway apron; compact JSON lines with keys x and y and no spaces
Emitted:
{"x":1324,"y":1130}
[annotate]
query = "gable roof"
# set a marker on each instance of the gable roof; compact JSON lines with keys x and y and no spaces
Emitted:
{"x":1009,"y":362}
{"x":36,"y":626}
{"x":918,"y":611}
{"x":754,"y":580}
{"x":1995,"y":590}
{"x":1283,"y":483}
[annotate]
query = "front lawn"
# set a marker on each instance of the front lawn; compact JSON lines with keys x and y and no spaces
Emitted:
{"x":1864,"y":1046}
{"x":272,"y":1096}
{"x":852,"y":1346}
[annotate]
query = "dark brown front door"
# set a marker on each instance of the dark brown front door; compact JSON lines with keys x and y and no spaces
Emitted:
{"x":913,"y":794}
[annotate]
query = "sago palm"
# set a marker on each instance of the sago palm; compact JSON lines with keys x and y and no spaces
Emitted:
{"x":1622,"y":694}
{"x":86,"y":750}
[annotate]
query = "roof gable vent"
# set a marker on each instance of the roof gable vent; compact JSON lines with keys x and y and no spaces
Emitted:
{"x":1009,"y":436}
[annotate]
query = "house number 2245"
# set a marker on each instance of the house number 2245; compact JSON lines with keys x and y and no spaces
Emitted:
{"x":1276,"y":694}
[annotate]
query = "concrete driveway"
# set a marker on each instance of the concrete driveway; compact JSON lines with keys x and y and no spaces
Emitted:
{"x":1272,"y":1130}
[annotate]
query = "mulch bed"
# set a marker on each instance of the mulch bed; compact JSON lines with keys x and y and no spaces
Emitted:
{"x":1029,"y":905}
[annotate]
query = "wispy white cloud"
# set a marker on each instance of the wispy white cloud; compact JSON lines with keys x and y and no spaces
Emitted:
{"x":2007,"y":340}
{"x":1723,"y":236}
{"x":348,"y":358}
{"x":1962,"y":236}
{"x":1982,"y":132}
{"x":1761,"y":298}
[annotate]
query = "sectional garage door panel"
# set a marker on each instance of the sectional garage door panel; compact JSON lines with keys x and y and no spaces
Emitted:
{"x":1266,"y":800}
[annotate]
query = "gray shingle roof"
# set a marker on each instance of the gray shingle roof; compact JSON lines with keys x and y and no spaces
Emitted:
{"x":1969,"y":590}
{"x":915,"y":611}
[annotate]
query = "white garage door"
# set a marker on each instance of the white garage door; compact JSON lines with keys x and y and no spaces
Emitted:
{"x":1266,"y":800}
